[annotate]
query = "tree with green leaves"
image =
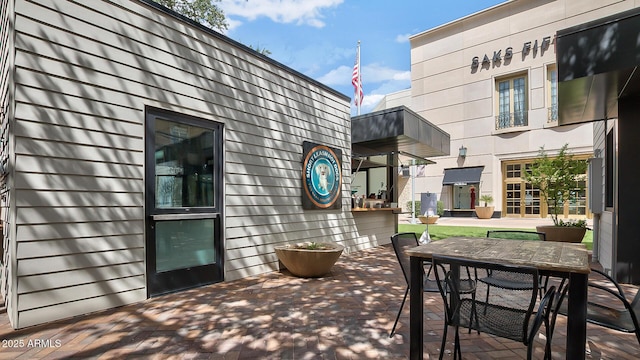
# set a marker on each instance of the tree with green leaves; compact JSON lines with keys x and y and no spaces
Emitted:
{"x":204,"y":12}
{"x":558,"y":179}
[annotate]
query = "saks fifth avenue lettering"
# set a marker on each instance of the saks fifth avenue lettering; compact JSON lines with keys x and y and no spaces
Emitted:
{"x":497,"y":57}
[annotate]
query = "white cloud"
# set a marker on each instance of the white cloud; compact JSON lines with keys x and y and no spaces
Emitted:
{"x":391,"y":86}
{"x":232,"y":25}
{"x":403,"y":38}
{"x":370,"y":101}
{"x":377,"y":73}
{"x":300,"y":12}
{"x":371,"y":74}
{"x":377,"y":81}
{"x":339,"y":76}
{"x":373,"y":97}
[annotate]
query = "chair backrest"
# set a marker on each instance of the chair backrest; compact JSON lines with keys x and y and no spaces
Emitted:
{"x":512,"y":301}
{"x":615,"y":322}
{"x":402,"y":242}
{"x":635,"y":304}
{"x":516,"y":234}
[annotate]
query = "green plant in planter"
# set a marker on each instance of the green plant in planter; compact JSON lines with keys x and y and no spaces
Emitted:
{"x":486,"y":211}
{"x":311,"y":246}
{"x":440,"y":208}
{"x":487,"y":199}
{"x":572,"y":223}
{"x":558,"y":181}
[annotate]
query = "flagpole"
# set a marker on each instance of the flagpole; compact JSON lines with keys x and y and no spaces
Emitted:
{"x":356,"y":80}
{"x":359,"y":75}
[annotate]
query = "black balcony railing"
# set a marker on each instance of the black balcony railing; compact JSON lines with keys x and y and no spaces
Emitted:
{"x":510,"y":120}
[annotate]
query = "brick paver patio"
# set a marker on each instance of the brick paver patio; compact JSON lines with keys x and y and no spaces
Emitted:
{"x":346,"y":315}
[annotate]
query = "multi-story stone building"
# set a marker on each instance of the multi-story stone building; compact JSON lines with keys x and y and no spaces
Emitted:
{"x":522,"y":75}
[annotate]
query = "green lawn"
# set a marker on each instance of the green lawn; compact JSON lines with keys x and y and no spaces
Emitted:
{"x":437,"y":232}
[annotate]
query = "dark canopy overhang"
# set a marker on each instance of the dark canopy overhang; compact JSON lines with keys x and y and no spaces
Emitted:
{"x":462,"y":176}
{"x":399,"y":131}
{"x":598,"y":64}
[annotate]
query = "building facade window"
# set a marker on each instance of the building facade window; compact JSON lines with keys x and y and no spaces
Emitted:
{"x":552,"y":89}
{"x":578,"y":203}
{"x":521,"y":199}
{"x":512,"y":102}
{"x":462,"y":198}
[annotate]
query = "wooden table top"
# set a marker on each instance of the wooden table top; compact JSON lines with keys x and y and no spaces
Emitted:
{"x":544,"y":255}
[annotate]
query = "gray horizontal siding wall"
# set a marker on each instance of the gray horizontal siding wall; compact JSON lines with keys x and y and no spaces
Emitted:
{"x":84,"y":74}
{"x":6,"y":113}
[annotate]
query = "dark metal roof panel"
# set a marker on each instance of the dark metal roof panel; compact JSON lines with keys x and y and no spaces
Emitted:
{"x":397,"y":130}
{"x":600,"y":46}
{"x":597,"y":64}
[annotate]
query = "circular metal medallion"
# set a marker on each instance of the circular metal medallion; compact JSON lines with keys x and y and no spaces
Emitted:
{"x":322,"y":176}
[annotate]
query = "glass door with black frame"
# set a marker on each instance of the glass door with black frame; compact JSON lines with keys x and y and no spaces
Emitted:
{"x":184,"y":205}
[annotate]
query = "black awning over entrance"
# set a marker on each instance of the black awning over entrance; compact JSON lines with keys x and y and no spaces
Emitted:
{"x":597,"y":65}
{"x":397,"y":130}
{"x":462,"y":176}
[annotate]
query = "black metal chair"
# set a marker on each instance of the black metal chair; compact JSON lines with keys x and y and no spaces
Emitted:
{"x":403,"y":241}
{"x":511,"y":280}
{"x":608,"y":305}
{"x":502,"y":316}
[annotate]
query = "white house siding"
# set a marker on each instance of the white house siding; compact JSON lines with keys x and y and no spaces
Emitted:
{"x":84,"y":74}
{"x":461,"y":102}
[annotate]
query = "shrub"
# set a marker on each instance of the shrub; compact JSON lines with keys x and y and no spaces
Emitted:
{"x":417,"y":209}
{"x":439,"y":208}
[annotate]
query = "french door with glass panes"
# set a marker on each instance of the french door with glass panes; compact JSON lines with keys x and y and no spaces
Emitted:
{"x":521,"y":198}
{"x":184,"y":201}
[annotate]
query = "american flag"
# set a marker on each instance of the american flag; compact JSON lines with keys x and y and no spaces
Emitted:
{"x":356,"y":79}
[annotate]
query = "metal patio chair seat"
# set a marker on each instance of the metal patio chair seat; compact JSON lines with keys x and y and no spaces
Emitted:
{"x":510,"y":280}
{"x":403,"y":241}
{"x":502,"y":316}
{"x":608,"y":305}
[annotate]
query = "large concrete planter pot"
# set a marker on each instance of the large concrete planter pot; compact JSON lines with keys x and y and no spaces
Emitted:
{"x":562,"y":233}
{"x":428,"y":219}
{"x":484,"y":212}
{"x":304,"y":262}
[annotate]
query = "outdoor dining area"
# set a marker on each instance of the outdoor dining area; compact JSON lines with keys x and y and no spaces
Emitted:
{"x":511,"y":267}
{"x":347,"y":314}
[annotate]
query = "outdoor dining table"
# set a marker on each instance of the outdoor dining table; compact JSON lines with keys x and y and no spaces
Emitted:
{"x":558,"y":259}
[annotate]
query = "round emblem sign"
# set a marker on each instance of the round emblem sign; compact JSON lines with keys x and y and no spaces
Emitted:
{"x":322,"y":176}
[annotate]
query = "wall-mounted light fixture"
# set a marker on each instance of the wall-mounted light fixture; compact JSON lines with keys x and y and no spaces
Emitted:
{"x":462,"y":152}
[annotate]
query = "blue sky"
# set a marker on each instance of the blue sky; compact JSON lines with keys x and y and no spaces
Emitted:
{"x":319,"y":37}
